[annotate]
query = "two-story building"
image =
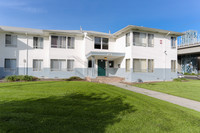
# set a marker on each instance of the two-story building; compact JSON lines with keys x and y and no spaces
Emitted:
{"x":134,"y":53}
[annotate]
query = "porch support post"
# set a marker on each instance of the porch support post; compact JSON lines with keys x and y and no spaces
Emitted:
{"x":93,"y":66}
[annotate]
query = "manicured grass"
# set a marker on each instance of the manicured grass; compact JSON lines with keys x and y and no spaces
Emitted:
{"x":72,"y":107}
{"x":189,"y":89}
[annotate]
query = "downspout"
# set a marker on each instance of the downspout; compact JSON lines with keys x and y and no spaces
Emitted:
{"x":165,"y":52}
{"x":26,"y":53}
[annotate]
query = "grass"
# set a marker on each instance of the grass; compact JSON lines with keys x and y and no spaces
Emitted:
{"x":189,"y":89}
{"x":75,"y":107}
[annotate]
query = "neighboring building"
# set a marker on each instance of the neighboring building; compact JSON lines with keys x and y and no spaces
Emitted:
{"x":134,"y":53}
{"x":189,"y":52}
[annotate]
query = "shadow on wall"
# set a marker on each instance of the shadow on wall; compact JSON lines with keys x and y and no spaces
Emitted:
{"x":70,"y":113}
{"x":13,"y":53}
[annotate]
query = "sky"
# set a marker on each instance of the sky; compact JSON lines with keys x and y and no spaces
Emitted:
{"x":101,"y":15}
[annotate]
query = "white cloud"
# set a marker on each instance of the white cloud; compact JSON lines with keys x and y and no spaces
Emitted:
{"x":21,"y":5}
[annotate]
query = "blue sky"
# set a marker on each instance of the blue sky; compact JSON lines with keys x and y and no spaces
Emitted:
{"x":101,"y":15}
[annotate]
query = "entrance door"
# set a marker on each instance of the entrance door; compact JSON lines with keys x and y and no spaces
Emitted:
{"x":101,"y":68}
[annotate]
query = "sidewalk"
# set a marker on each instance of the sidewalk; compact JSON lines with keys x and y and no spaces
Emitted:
{"x":195,"y":105}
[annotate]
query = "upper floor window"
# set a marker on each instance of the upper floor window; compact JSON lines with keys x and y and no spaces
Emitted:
{"x":101,"y":43}
{"x":37,"y":65}
{"x":58,"y":41}
{"x":127,"y":39}
{"x":173,"y":42}
{"x":10,"y":64}
{"x":70,"y":42}
{"x":38,"y":42}
{"x":143,"y":39}
{"x":10,"y":40}
{"x":58,"y":65}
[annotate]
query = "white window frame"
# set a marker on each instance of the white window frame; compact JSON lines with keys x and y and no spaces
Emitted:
{"x":13,"y":41}
{"x":41,"y":65}
{"x":128,"y":67}
{"x":146,"y":70}
{"x":60,"y":61}
{"x":173,"y":42}
{"x":10,"y":69}
{"x":68,"y":66}
{"x":146,"y":44}
{"x":69,"y":45}
{"x":61,"y":39}
{"x":173,"y":65}
{"x":101,"y":43}
{"x":40,"y":42}
{"x":128,"y":41}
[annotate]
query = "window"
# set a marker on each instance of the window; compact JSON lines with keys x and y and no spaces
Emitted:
{"x":143,"y":65}
{"x":97,"y":44}
{"x":150,"y":40}
{"x":143,"y":39}
{"x":70,"y":42}
{"x":173,"y":42}
{"x":150,"y":65}
{"x":127,"y":39}
{"x":10,"y":64}
{"x":139,"y":65}
{"x":37,"y":64}
{"x":58,"y":41}
{"x":139,"y":39}
{"x":104,"y":43}
{"x":70,"y":65}
{"x":127,"y":65}
{"x":101,"y":43}
{"x":38,"y":42}
{"x":58,"y":65}
{"x":10,"y":40}
{"x":111,"y":64}
{"x":89,"y":63}
{"x":173,"y":65}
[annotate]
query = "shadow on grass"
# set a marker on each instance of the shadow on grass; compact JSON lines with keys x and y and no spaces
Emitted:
{"x":67,"y":114}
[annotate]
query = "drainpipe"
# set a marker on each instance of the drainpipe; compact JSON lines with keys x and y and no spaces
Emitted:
{"x":26,"y":53}
{"x":165,"y":52}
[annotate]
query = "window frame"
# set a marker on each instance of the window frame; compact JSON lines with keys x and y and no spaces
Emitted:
{"x":128,"y":41}
{"x":60,"y":40}
{"x":70,"y":69}
{"x":13,"y":40}
{"x":10,"y":69}
{"x":101,"y":43}
{"x":38,"y":42}
{"x":128,"y":67}
{"x":72,"y":41}
{"x":146,"y":70}
{"x":140,"y":44}
{"x":113,"y":64}
{"x":173,"y":66}
{"x":38,"y":69}
{"x":60,"y":65}
{"x":173,"y":42}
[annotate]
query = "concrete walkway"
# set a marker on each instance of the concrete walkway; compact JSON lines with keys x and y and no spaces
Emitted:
{"x":162,"y":96}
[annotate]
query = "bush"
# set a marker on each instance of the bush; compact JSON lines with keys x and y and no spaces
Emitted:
{"x":74,"y":78}
{"x":180,"y":79}
{"x":189,"y":74}
{"x":14,"y":78}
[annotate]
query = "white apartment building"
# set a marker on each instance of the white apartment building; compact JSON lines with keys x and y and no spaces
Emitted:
{"x":134,"y":53}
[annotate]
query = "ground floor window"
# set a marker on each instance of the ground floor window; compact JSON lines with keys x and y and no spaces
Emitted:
{"x":111,"y":64}
{"x":58,"y":65}
{"x":143,"y":65}
{"x":89,"y":63}
{"x":10,"y":64}
{"x":127,"y":65}
{"x":70,"y":65}
{"x":37,"y":64}
{"x":173,"y":65}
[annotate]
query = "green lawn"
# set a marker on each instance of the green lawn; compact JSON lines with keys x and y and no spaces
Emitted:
{"x":72,"y":107}
{"x":189,"y":89}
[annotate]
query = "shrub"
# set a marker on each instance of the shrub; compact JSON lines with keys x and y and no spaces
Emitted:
{"x":14,"y":78}
{"x":180,"y":79}
{"x":74,"y":78}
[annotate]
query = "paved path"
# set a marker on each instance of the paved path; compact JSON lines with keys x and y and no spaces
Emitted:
{"x":162,"y":96}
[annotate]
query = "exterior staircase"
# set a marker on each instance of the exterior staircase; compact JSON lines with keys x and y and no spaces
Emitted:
{"x":104,"y":79}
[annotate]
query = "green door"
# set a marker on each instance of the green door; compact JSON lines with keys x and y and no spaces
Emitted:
{"x":101,"y":68}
